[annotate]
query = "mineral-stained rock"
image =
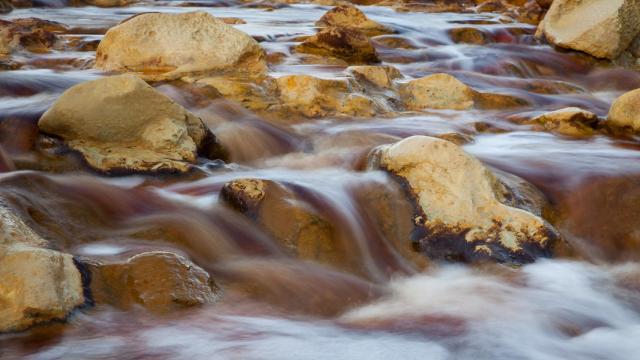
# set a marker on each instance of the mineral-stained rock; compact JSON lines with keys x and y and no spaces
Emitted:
{"x":570,"y":121}
{"x":443,"y":91}
{"x":121,"y":123}
{"x":160,"y":281}
{"x":379,"y":76}
{"x":311,"y":96}
{"x":603,"y":29}
{"x":160,"y":46}
{"x":32,"y":34}
{"x":349,"y":16}
{"x":458,"y":212}
{"x":625,"y":111}
{"x":350,"y":45}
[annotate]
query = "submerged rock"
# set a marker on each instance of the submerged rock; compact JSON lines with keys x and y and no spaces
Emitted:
{"x":350,"y":45}
{"x":109,"y":3}
{"x":459,"y":214}
{"x":349,"y":16}
{"x":161,"y":46}
{"x":603,"y":29}
{"x":443,"y":91}
{"x":571,"y":121}
{"x":122,"y":123}
{"x":625,"y":112}
{"x":160,"y":281}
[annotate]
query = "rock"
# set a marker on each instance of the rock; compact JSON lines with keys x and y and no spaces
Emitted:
{"x":443,"y":91}
{"x":625,"y":111}
{"x":437,"y":91}
{"x":349,"y":16}
{"x":603,"y":29}
{"x":121,"y":123}
{"x":301,"y":231}
{"x":570,"y":121}
{"x":6,"y":164}
{"x":459,"y":213}
{"x":469,"y":35}
{"x":160,"y":281}
{"x":31,"y":34}
{"x":250,"y":93}
{"x":347,"y":44}
{"x":5,"y":7}
{"x":311,"y":96}
{"x":174,"y":45}
{"x":378,"y":76}
{"x":38,"y":285}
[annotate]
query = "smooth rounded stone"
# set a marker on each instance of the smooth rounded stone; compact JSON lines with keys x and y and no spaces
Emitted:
{"x":459,"y":215}
{"x":122,"y":123}
{"x":571,"y":121}
{"x":443,"y":91}
{"x":437,"y":91}
{"x":380,"y":76}
{"x":160,"y":281}
{"x":349,"y":16}
{"x":600,"y":28}
{"x":625,"y":111}
{"x":295,"y":225}
{"x":37,"y":285}
{"x":251,"y":93}
{"x":347,"y":44}
{"x":469,"y":35}
{"x":159,"y":46}
{"x":311,"y":96}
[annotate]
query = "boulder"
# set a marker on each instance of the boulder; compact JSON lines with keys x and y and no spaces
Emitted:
{"x":460,"y":214}
{"x":625,"y":111}
{"x":380,"y":76}
{"x":37,"y":284}
{"x":603,"y":29}
{"x":443,"y":91}
{"x":347,"y":44}
{"x":349,"y":16}
{"x":160,"y":281}
{"x":122,"y":123}
{"x":160,"y":46}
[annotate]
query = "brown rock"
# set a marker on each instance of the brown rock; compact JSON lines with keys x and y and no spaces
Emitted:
{"x":438,"y":91}
{"x":570,"y":121}
{"x":349,"y":16}
{"x":160,"y":281}
{"x":109,"y":3}
{"x":311,"y":96}
{"x":31,"y":34}
{"x":347,"y":44}
{"x":379,"y":76}
{"x":625,"y":112}
{"x":469,"y":35}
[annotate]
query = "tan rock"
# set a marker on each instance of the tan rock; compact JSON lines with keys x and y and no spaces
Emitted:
{"x":459,"y":214}
{"x":571,"y":121}
{"x":160,"y":281}
{"x":349,"y":16}
{"x":31,"y":34}
{"x":121,"y":123}
{"x":311,"y":96}
{"x":38,"y":285}
{"x":160,"y":46}
{"x":380,"y":76}
{"x":437,"y":91}
{"x":603,"y":29}
{"x":347,"y":44}
{"x":443,"y":91}
{"x":625,"y":111}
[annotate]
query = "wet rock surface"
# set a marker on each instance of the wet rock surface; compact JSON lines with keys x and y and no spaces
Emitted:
{"x":459,"y":214}
{"x":348,"y":44}
{"x":121,"y":123}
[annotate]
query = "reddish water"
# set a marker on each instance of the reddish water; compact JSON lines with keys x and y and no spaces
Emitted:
{"x":587,"y":308}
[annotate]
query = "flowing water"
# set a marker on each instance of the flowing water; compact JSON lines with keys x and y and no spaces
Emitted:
{"x":586,"y":306}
